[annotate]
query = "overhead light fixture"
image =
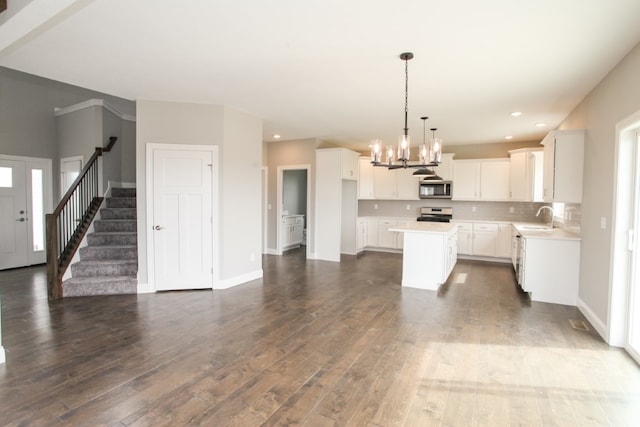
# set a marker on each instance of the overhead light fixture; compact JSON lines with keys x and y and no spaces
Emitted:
{"x":276,"y":136}
{"x":516,"y":113}
{"x":541,"y":125}
{"x":424,"y":155}
{"x":428,"y":155}
{"x":508,"y":137}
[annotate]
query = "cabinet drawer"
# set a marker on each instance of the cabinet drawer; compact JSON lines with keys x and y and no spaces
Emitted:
{"x":465,"y":226}
{"x":299,"y":220}
{"x":481,"y":226}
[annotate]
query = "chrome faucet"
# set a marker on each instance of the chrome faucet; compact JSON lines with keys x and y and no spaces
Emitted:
{"x":550,"y":209}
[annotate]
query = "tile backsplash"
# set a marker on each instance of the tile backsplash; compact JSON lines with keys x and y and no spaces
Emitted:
{"x":462,"y":210}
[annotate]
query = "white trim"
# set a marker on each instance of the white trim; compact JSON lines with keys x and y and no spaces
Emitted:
{"x":238,"y":280}
{"x":597,"y":324}
{"x":149,"y":147}
{"x":3,"y":358}
{"x":93,"y":103}
{"x":265,"y":209}
{"x":118,"y":184}
{"x":272,"y":251}
{"x":145,"y":288}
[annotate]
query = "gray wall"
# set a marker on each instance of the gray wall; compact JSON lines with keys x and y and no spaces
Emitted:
{"x":616,"y":97}
{"x":239,"y":138}
{"x":28,"y":126}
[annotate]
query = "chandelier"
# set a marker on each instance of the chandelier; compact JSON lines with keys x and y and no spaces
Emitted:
{"x":429,"y":155}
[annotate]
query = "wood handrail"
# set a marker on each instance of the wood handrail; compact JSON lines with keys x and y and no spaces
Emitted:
{"x":79,"y":204}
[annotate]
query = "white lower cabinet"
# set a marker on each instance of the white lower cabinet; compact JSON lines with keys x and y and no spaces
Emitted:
{"x":503,"y":244}
{"x":465,"y":235}
{"x":362,"y":234}
{"x":386,"y":238}
{"x":292,"y":230}
{"x":485,"y":239}
{"x":551,"y":269}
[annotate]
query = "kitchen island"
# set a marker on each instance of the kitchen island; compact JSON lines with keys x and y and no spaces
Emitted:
{"x":429,"y":253}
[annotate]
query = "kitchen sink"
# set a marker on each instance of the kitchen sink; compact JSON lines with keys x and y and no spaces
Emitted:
{"x":537,"y":227}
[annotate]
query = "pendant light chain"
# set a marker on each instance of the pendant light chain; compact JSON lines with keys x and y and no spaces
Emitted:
{"x":406,"y":94}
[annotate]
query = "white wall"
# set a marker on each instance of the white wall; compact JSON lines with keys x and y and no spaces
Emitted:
{"x":239,"y":138}
{"x":616,"y":97}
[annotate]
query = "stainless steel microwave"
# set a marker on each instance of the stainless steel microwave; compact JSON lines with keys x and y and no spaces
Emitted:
{"x":435,"y":189}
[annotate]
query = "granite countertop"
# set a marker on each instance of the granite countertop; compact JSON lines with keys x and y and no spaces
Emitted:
{"x":542,"y":231}
{"x":425,"y":227}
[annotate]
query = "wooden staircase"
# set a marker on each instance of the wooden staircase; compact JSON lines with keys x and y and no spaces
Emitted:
{"x":109,"y":263}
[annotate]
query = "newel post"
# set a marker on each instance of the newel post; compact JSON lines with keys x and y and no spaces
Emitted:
{"x":54,"y":284}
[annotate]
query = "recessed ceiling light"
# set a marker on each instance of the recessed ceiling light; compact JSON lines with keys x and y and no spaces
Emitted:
{"x":516,"y":113}
{"x":276,"y":136}
{"x":508,"y":137}
{"x":541,"y":125}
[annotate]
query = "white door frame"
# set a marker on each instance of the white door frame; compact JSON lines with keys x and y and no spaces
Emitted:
{"x":265,"y":208}
{"x":280,"y":179}
{"x":150,"y":147}
{"x":47,"y":176}
{"x":623,"y":236}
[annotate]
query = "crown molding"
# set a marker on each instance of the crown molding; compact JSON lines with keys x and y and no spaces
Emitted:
{"x":93,"y":103}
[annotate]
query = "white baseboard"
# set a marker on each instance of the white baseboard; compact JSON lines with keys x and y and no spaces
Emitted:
{"x":118,"y":184}
{"x":238,"y":280}
{"x":145,"y":288}
{"x":2,"y":355}
{"x":598,"y":325}
{"x":271,"y":251}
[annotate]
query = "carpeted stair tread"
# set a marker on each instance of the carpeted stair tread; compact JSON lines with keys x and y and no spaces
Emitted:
{"x":123,"y":192}
{"x":114,"y":285}
{"x":109,"y":252}
{"x":115,"y":225}
{"x":112,"y":238}
{"x":121,"y":202}
{"x":104,"y":268}
{"x":118,"y":213}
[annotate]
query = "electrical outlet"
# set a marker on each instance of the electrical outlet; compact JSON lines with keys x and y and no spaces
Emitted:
{"x":473,"y":208}
{"x":375,"y":206}
{"x":603,"y":222}
{"x":511,"y":209}
{"x":408,"y":207}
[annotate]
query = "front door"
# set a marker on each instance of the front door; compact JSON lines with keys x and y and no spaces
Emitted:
{"x":25,"y":197}
{"x":182,"y":218}
{"x":13,"y":215}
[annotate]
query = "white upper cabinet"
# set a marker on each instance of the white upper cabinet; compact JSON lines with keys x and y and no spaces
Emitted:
{"x":486,"y":179}
{"x":365,"y":178}
{"x":350,"y":164}
{"x":445,"y":168}
{"x":398,"y":184}
{"x":563,"y":166}
{"x":526,"y":175}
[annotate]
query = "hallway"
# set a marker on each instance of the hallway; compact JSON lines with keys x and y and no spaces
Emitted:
{"x":314,"y":343}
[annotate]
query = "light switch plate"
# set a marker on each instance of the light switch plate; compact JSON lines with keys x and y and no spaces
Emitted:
{"x":603,"y":222}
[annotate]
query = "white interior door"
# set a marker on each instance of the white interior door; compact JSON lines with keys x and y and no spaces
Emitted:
{"x":13,"y":214}
{"x":182,"y":218}
{"x":70,"y":168}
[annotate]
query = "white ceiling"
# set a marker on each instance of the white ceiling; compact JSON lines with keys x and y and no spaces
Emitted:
{"x":330,"y":69}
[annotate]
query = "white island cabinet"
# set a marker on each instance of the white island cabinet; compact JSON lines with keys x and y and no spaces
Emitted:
{"x":429,"y":253}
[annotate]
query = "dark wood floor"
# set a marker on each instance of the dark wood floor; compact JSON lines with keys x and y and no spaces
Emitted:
{"x":314,"y":343}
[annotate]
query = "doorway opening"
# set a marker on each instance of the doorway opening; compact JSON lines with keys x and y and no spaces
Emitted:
{"x":293,"y":207}
{"x":624,"y":299}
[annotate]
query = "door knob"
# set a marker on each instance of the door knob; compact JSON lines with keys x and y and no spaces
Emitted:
{"x":157,"y":227}
{"x":20,"y":220}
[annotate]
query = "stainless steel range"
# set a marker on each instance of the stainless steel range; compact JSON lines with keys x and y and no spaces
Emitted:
{"x":436,"y":214}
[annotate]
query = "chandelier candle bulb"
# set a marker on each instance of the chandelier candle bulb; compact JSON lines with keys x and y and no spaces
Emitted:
{"x":376,"y":152}
{"x":403,"y":148}
{"x":390,"y":155}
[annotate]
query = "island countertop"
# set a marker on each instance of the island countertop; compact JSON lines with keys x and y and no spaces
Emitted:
{"x":425,"y":227}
